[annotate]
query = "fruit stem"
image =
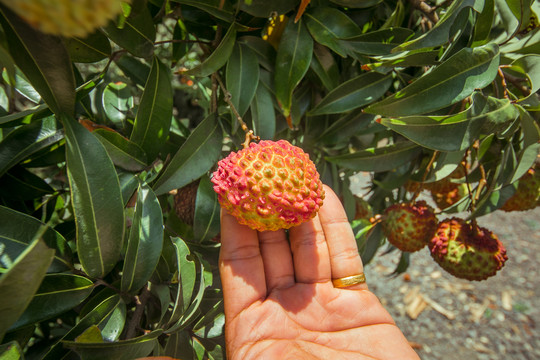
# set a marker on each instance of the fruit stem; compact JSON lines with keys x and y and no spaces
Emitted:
{"x":424,"y":177}
{"x":227,"y":97}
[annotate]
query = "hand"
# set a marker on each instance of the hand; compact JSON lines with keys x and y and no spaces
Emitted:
{"x":280,"y":302}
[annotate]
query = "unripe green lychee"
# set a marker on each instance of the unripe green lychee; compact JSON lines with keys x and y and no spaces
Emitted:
{"x":445,"y":193}
{"x":527,"y":194}
{"x":363,"y":209}
{"x":269,"y":185}
{"x":66,"y":17}
{"x":467,"y":252}
{"x":409,"y":227}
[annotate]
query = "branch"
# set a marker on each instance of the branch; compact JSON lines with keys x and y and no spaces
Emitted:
{"x":140,"y":302}
{"x":428,"y":11}
{"x":227,"y":97}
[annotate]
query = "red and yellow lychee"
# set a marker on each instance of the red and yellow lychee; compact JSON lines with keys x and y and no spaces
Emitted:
{"x":467,"y":251}
{"x":409,"y":227}
{"x":269,"y":185}
{"x":527,"y":194}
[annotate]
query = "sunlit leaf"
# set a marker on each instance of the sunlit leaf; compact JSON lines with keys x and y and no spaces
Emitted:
{"x":145,"y":241}
{"x":446,"y":84}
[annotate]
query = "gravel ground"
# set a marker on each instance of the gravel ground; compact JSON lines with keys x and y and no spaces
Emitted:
{"x":459,"y":319}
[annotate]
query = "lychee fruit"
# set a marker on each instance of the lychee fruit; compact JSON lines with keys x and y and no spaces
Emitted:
{"x":466,"y":251}
{"x":527,"y":194}
{"x":363,"y":209}
{"x":184,"y":202}
{"x":409,"y":227}
{"x":447,"y":193}
{"x":269,"y":185}
{"x":66,"y":17}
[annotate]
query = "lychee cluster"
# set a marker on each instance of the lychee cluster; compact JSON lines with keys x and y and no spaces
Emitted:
{"x":67,"y":18}
{"x":269,"y":185}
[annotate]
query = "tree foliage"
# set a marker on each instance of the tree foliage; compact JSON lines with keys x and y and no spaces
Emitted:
{"x":97,"y":134}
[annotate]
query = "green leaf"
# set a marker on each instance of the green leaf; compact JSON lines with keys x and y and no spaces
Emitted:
{"x":119,"y":350}
{"x":356,"y":3}
{"x":22,"y":86}
{"x":123,"y":153}
{"x":354,"y":93}
{"x":443,"y":30}
{"x":292,"y":62}
{"x":325,"y":66}
{"x":27,"y":140}
{"x":7,"y":63}
{"x":378,"y":159}
{"x":97,"y":200}
{"x":206,"y":219}
{"x":21,"y":184}
{"x":137,"y":34}
{"x":154,"y":116}
{"x":379,"y":42}
{"x":406,"y":59}
{"x":43,"y":59}
{"x":145,"y":241}
{"x":219,"y":56}
{"x":484,"y":22}
{"x":194,"y":158}
{"x":17,"y":230}
{"x":242,"y":77}
{"x":264,"y":51}
{"x":11,"y":351}
{"x":93,"y":48}
{"x":25,"y":117}
{"x":97,"y":316}
{"x":57,"y":294}
{"x":263,"y":115}
{"x":264,"y":8}
{"x":529,"y":65}
{"x":328,"y":25}
{"x":133,"y":69}
{"x":186,"y":275}
{"x":19,"y":284}
{"x":212,"y":323}
{"x":117,"y":100}
{"x":179,"y":346}
{"x":446,"y":84}
{"x":222,"y":11}
{"x":456,"y":132}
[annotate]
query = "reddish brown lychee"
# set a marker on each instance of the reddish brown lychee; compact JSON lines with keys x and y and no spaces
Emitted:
{"x":269,"y":185}
{"x":363,"y":209}
{"x":527,"y":194}
{"x":409,"y":227}
{"x":465,"y":251}
{"x":184,"y":202}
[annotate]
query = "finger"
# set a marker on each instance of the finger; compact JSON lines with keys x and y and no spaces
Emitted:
{"x":310,"y":252}
{"x":240,"y":265}
{"x":344,"y":257}
{"x":277,"y":260}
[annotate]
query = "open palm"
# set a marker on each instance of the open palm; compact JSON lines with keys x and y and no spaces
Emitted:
{"x":280,"y":302}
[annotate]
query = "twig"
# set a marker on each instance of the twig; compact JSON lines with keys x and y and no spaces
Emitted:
{"x":428,"y":168}
{"x":503,"y":82}
{"x":181,"y":41}
{"x":140,"y":301}
{"x":227,"y":97}
{"x":427,"y":10}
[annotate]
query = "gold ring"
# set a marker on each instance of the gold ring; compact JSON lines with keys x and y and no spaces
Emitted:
{"x":349,"y":280}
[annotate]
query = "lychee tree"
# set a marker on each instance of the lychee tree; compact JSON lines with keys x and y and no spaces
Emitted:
{"x":114,"y":115}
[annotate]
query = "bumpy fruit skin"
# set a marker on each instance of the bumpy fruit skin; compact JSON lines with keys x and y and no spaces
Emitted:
{"x":184,"y":202}
{"x":409,"y":227}
{"x":269,"y":185}
{"x":527,"y":194}
{"x":465,"y":252}
{"x":363,"y":209}
{"x":65,"y":17}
